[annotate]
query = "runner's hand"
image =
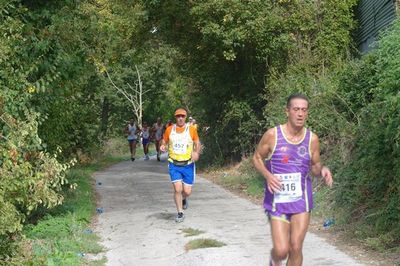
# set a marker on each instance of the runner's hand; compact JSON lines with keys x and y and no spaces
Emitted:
{"x":273,"y":183}
{"x":163,"y":148}
{"x":195,"y":156}
{"x":327,"y":175}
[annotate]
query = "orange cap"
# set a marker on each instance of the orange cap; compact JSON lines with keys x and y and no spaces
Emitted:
{"x":180,"y":111}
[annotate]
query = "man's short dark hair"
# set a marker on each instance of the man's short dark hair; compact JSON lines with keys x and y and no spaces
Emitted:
{"x":296,"y":96}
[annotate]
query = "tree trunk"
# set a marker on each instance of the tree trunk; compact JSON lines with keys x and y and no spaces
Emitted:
{"x":140,"y":115}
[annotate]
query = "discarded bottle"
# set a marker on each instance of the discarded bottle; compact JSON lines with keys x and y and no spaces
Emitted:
{"x":99,"y":210}
{"x":81,"y":254}
{"x":328,"y":223}
{"x":88,"y":231}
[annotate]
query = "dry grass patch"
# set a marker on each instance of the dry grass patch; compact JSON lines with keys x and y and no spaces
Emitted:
{"x":204,"y":243}
{"x":191,"y":232}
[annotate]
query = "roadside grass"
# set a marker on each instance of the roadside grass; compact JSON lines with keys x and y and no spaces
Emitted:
{"x":324,"y":208}
{"x":192,"y":232}
{"x":63,"y":236}
{"x":241,"y":178}
{"x":203,"y":243}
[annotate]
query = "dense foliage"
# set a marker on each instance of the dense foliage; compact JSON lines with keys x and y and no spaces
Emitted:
{"x":234,"y":52}
{"x":30,"y":177}
{"x":56,"y":103}
{"x":369,"y":180}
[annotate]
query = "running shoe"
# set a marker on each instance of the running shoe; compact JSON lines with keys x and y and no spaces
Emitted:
{"x":132,"y":159}
{"x":158,"y":157}
{"x":272,"y":263}
{"x":179,"y":217}
{"x":185,"y":203}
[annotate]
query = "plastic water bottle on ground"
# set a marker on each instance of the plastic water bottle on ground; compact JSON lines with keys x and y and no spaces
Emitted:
{"x":328,"y":223}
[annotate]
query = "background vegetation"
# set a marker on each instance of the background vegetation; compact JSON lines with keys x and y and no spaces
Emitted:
{"x":231,"y":63}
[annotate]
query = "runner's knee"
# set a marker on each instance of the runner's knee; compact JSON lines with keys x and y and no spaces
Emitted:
{"x":296,"y":247}
{"x":187,"y":191}
{"x":280,"y":252}
{"x":178,"y":188}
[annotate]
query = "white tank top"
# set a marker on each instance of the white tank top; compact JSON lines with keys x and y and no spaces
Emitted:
{"x":132,"y":132}
{"x":145,"y":133}
{"x":159,"y":129}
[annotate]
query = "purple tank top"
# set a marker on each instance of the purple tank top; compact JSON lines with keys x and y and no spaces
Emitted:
{"x":292,"y":162}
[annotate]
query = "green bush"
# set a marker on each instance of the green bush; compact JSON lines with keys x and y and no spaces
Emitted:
{"x":29,"y":177}
{"x":370,"y":179}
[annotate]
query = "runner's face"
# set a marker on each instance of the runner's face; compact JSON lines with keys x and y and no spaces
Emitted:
{"x":180,"y":120}
{"x":297,"y":112}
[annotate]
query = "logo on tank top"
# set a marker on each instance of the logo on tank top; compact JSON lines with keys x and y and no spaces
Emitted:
{"x":283,"y":149}
{"x":285,"y":158}
{"x":302,"y":151}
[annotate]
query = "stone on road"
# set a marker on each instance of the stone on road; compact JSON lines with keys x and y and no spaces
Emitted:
{"x":137,"y":224}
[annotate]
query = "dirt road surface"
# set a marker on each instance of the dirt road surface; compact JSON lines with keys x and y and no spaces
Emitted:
{"x":138,"y":228}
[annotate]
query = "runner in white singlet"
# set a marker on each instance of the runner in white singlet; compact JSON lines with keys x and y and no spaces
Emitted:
{"x":157,"y":131}
{"x":131,"y":130}
{"x":146,"y":140}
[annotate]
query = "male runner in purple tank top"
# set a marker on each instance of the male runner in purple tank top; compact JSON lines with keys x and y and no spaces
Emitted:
{"x":286,"y":156}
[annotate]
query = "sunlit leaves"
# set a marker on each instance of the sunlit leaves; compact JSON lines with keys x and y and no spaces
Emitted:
{"x":29,"y":177}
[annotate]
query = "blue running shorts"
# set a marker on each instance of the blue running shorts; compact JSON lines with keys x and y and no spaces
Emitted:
{"x":185,"y":174}
{"x":145,"y":141}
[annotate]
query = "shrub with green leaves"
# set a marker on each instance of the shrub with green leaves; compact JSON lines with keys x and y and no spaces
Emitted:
{"x":370,"y":179}
{"x":29,"y":177}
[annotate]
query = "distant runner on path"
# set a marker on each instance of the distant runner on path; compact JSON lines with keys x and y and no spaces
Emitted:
{"x":131,"y":130}
{"x":285,"y":157}
{"x":158,"y":133}
{"x":146,"y":140}
{"x":169,"y":123}
{"x":183,"y":150}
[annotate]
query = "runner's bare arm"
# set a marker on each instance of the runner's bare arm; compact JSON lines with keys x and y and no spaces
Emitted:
{"x":317,"y":168}
{"x":196,"y":151}
{"x":153,"y":131}
{"x":263,"y":150}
